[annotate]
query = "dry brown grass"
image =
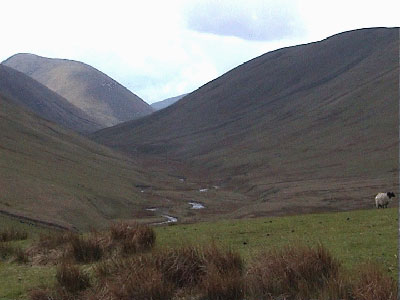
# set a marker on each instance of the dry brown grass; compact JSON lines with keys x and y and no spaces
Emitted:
{"x":293,"y":272}
{"x":40,"y":294}
{"x":373,"y":284}
{"x":71,"y":278}
{"x":210,"y":272}
{"x":53,"y":240}
{"x":85,"y":250}
{"x":144,"y":281}
{"x":183,"y":266}
{"x":132,"y":238}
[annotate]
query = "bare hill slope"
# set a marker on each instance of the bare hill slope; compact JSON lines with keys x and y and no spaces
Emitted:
{"x":54,"y":175}
{"x":29,"y":93}
{"x":102,"y":98}
{"x":307,"y":127}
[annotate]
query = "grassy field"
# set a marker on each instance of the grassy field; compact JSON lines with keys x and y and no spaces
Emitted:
{"x":353,"y":237}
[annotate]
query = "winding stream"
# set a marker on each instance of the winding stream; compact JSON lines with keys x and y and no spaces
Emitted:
{"x":196,"y":205}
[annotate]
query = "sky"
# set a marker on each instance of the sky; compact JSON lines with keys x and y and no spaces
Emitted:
{"x":161,"y":49}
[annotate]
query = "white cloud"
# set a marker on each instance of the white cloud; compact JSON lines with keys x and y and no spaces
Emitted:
{"x":261,"y":20}
{"x":148,"y":47}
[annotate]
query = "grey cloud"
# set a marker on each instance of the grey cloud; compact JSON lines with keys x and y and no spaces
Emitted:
{"x":259,"y":20}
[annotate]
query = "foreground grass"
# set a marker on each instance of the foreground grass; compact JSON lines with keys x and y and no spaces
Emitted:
{"x":352,"y":237}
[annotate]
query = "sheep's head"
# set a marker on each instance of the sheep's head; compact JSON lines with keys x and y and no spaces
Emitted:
{"x":391,"y":195}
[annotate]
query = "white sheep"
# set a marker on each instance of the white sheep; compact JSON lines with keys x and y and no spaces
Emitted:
{"x":382,"y":199}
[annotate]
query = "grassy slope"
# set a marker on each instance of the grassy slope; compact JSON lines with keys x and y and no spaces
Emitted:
{"x":53,"y":174}
{"x":306,"y":128}
{"x":367,"y":235}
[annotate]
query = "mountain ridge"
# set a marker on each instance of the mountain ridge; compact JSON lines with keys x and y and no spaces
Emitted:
{"x":29,"y":93}
{"x":299,"y":114}
{"x":98,"y":95}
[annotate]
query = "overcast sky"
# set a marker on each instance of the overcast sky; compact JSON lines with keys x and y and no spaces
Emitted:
{"x":160,"y":49}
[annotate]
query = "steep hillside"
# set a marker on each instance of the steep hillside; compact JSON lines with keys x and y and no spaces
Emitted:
{"x":308,"y":127}
{"x":102,"y":98}
{"x":29,"y":93}
{"x":51,"y":174}
{"x":167,"y":102}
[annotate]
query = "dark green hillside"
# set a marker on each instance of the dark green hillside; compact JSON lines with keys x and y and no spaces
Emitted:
{"x":304,"y":128}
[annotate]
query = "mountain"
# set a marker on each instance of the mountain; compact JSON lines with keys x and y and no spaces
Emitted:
{"x":99,"y":96}
{"x":167,"y":102}
{"x":51,"y":174}
{"x":29,"y":93}
{"x":304,"y":128}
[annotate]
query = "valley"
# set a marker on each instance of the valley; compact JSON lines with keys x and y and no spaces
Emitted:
{"x":308,"y":128}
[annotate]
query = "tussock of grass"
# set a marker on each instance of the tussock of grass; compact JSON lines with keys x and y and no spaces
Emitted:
{"x":210,"y":272}
{"x":183,"y":266}
{"x":15,"y":253}
{"x":291,"y":272}
{"x":132,"y":238}
{"x":12,"y":234}
{"x":71,"y":278}
{"x":84,"y":250}
{"x":53,"y":240}
{"x":141,"y":281}
{"x":373,"y":284}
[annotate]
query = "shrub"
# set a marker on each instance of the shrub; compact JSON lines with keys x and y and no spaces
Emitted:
{"x":71,"y":278}
{"x":12,"y":234}
{"x":373,"y":284}
{"x":291,"y":272}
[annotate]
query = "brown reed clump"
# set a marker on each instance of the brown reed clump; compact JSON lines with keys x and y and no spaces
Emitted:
{"x":84,"y":250}
{"x":373,"y":284}
{"x":184,"y":267}
{"x":293,"y":272}
{"x":223,"y":278}
{"x":71,"y":278}
{"x":132,"y":238}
